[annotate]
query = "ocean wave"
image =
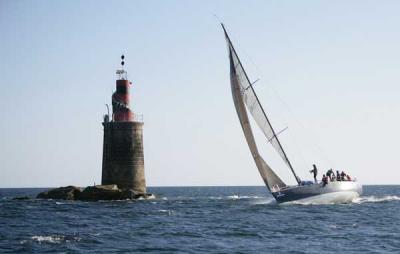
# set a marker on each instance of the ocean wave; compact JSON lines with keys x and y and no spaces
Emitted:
{"x":336,"y":226}
{"x":244,"y":197}
{"x":169,"y":212}
{"x":264,"y":201}
{"x":151,"y":196}
{"x":55,"y":239}
{"x":375,"y":199}
{"x":311,"y":203}
{"x":229,"y":197}
{"x":234,"y":197}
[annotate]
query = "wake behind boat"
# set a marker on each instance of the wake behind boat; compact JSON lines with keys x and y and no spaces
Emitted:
{"x":342,"y":190}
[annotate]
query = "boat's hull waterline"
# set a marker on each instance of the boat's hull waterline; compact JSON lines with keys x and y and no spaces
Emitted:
{"x":332,"y":193}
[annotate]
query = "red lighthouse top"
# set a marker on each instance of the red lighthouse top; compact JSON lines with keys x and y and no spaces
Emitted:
{"x":120,"y":98}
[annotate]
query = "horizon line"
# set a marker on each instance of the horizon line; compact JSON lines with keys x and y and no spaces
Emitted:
{"x":185,"y":186}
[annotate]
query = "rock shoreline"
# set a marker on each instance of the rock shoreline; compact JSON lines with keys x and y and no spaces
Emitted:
{"x":92,"y":193}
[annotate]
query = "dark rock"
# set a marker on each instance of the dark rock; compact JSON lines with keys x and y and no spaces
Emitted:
{"x":130,"y":194}
{"x":67,"y":193}
{"x":100,"y":192}
{"x":92,"y":193}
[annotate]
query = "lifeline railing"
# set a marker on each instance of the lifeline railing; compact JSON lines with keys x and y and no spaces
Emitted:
{"x":136,"y":118}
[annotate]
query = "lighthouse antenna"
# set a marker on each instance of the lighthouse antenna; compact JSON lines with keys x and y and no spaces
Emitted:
{"x":121,"y":73}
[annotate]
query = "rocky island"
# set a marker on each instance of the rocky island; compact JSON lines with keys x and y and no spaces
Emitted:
{"x":93,"y":193}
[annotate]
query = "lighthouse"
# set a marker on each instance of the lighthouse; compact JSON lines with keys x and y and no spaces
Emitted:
{"x":123,"y":157}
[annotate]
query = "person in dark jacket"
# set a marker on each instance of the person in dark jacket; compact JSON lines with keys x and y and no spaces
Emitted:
{"x":315,"y":172}
{"x":329,"y":174}
{"x":338,"y":178}
{"x":343,"y":176}
{"x":324,"y":180}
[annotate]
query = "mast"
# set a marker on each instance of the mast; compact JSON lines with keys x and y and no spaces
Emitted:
{"x":262,"y":109}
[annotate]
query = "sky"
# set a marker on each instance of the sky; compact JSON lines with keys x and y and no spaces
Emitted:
{"x":328,"y":71}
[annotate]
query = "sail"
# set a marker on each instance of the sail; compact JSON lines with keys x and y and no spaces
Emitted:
{"x":250,"y":99}
{"x":270,"y":178}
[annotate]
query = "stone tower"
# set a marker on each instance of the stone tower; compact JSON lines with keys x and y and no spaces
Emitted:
{"x":123,"y":159}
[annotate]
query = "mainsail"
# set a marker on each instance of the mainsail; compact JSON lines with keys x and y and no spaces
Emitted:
{"x":243,"y":93}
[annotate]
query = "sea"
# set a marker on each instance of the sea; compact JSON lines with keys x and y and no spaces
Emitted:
{"x":200,"y":220}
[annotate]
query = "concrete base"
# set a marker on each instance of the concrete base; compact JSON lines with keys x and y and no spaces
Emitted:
{"x":123,"y":158}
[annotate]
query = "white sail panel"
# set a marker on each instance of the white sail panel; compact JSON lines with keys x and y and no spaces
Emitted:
{"x":253,"y":105}
{"x":271,"y":180}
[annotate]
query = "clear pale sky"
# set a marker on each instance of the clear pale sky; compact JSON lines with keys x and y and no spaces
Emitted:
{"x":329,"y":70}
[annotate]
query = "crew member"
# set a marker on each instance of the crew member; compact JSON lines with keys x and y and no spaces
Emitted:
{"x":338,"y":178}
{"x":329,"y":174}
{"x":343,"y":176}
{"x":324,"y":180}
{"x":315,"y":172}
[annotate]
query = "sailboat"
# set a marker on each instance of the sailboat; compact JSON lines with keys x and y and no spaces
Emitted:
{"x":244,"y":96}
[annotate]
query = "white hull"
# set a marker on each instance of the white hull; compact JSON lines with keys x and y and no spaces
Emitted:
{"x":343,"y":197}
{"x":332,"y":193}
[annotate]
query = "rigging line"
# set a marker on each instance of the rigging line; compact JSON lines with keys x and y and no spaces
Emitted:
{"x":299,"y":151}
{"x":314,"y":144}
{"x":317,"y":147}
{"x":262,"y":109}
{"x":216,"y":16}
{"x":251,"y":84}
{"x":279,"y":132}
{"x":284,"y":120}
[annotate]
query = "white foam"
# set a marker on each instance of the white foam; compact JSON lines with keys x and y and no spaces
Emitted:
{"x":49,"y":239}
{"x":244,"y":197}
{"x":264,"y":201}
{"x":169,"y":212}
{"x":54,"y":239}
{"x":217,"y":198}
{"x":335,"y":226}
{"x":152,"y":196}
{"x":375,"y":199}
